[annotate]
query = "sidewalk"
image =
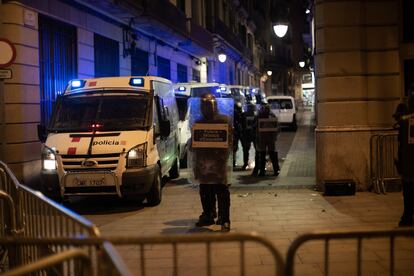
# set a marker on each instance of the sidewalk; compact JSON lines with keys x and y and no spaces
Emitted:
{"x":279,"y":209}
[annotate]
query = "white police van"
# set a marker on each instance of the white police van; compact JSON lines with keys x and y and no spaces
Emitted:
{"x":114,"y":135}
{"x":285,"y":109}
{"x":183,"y":91}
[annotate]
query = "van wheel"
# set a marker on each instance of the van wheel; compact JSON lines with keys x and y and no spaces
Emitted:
{"x":155,"y":194}
{"x":175,"y":169}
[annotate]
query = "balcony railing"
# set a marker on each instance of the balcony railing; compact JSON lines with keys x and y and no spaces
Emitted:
{"x":216,"y":26}
{"x":201,"y":36}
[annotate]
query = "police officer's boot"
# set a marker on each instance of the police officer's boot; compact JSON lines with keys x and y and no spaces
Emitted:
{"x":262,"y":167}
{"x":207,"y":198}
{"x":256,"y":164}
{"x":275,"y":162}
{"x":223,"y":198}
{"x":245,"y":158}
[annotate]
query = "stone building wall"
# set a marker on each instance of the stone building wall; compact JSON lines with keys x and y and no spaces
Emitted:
{"x":358,"y":83}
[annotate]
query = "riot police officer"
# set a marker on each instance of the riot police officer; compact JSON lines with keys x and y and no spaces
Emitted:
{"x":267,"y":131}
{"x":249,"y":132}
{"x":237,"y":130}
{"x":405,"y":122}
{"x":209,"y":166}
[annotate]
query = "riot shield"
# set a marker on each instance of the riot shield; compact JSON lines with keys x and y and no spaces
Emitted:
{"x":210,"y":152}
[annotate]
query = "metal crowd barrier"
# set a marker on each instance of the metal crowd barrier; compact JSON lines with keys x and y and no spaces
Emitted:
{"x":358,"y":236}
{"x":37,"y":215}
{"x":28,"y":213}
{"x":178,"y":245}
{"x":76,"y":260}
{"x":384,"y":151}
{"x":76,"y":256}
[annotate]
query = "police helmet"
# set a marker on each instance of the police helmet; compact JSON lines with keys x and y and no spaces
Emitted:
{"x":264,"y":110}
{"x":238,"y":106}
{"x":208,"y":105}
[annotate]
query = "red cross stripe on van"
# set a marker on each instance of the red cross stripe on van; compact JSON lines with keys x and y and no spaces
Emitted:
{"x":75,"y":139}
{"x":92,"y":83}
{"x":71,"y":151}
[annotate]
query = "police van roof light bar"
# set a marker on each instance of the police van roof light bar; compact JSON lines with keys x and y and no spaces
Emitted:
{"x":136,"y":82}
{"x":75,"y":84}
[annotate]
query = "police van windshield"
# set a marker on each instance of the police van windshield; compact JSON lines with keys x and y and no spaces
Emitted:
{"x":198,"y":91}
{"x":280,"y":103}
{"x":79,"y":113}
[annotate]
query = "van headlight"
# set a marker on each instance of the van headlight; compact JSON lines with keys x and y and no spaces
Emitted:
{"x":137,"y":156}
{"x":48,"y":159}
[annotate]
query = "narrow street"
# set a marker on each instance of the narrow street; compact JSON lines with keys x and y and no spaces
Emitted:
{"x":278,"y":208}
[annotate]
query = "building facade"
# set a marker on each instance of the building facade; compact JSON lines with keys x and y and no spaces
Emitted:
{"x":364,"y":64}
{"x":58,"y":40}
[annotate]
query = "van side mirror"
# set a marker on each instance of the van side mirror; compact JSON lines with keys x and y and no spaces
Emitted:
{"x":165,"y":128}
{"x":41,"y":133}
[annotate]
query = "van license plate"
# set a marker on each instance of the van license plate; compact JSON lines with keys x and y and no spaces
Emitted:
{"x":89,"y":182}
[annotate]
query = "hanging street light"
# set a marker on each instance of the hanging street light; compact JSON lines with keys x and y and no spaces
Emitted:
{"x":222,"y":57}
{"x":269,"y":72}
{"x":280,"y":29}
{"x":301,"y":64}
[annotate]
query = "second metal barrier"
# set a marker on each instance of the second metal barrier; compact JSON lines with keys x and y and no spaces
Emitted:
{"x":384,"y":152}
{"x":359,"y":237}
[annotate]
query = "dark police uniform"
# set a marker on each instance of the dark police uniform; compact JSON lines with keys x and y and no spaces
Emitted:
{"x":237,"y":131}
{"x":249,"y":132}
{"x":265,"y":142}
{"x":405,"y":162}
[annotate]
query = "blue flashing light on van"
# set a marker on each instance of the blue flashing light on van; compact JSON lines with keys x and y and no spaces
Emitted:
{"x":75,"y":84}
{"x":136,"y":82}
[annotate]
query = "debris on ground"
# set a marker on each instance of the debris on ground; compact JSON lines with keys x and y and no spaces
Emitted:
{"x":243,"y":195}
{"x":323,"y":210}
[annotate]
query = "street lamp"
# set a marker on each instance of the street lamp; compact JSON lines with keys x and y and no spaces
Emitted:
{"x":301,"y":64}
{"x":280,"y":29}
{"x":222,"y":57}
{"x":269,"y":72}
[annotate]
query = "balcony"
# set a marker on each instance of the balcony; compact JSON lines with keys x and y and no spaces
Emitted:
{"x":216,"y":26}
{"x":161,"y":19}
{"x":278,"y":62}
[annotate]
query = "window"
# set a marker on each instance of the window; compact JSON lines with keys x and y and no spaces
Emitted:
{"x":181,"y":73}
{"x":58,"y":61}
{"x":181,"y":5}
{"x":408,"y":75}
{"x":106,"y":56}
{"x":196,"y":75}
{"x":163,"y":67}
{"x":139,"y":63}
{"x":408,"y":26}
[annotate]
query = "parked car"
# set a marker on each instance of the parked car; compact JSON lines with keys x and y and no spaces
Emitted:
{"x":113,"y":135}
{"x":284,"y":108}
